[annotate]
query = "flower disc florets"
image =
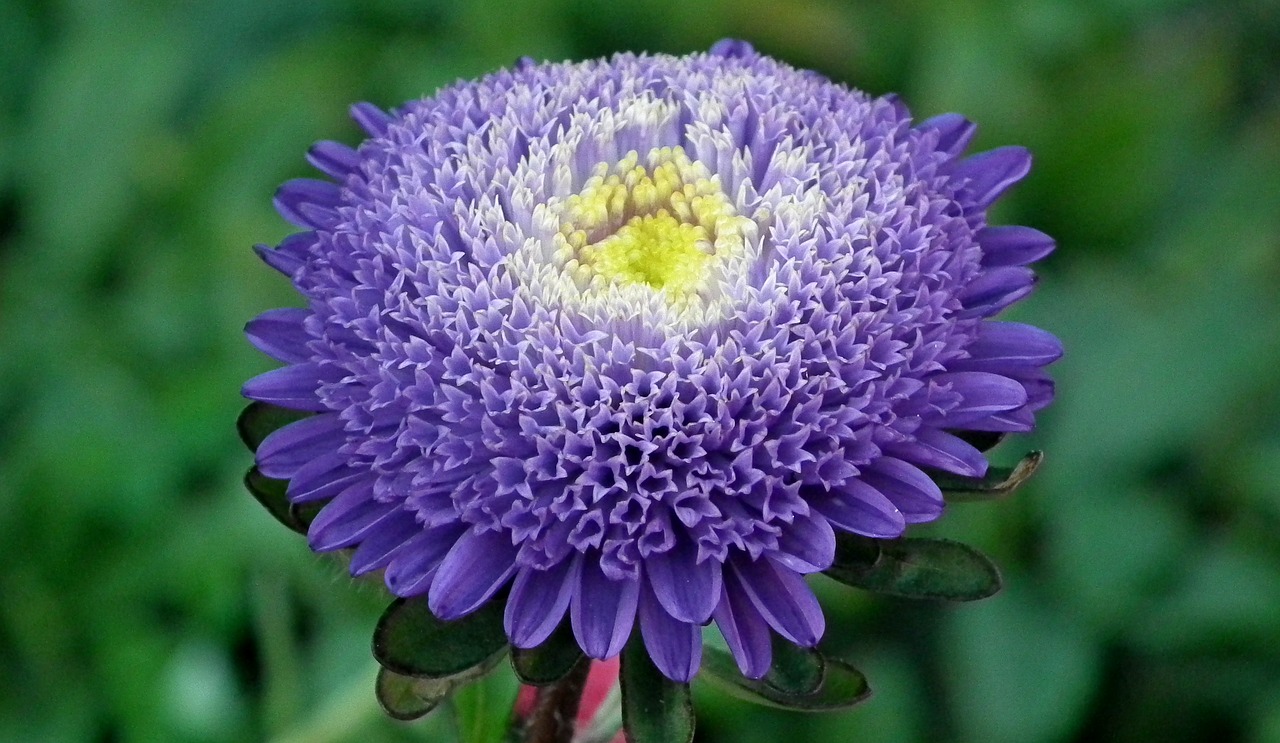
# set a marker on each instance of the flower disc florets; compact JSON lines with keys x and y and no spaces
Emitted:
{"x":636,"y":337}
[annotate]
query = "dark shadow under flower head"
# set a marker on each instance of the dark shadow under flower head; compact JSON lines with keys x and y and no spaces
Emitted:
{"x":637,"y":337}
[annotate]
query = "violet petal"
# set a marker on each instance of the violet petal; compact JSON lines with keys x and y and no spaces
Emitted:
{"x":334,"y":159}
{"x":912,"y":491}
{"x":783,"y":599}
{"x":687,"y":589}
{"x":744,"y":630}
{"x":940,"y":450}
{"x":477,"y":566}
{"x":346,"y":520}
{"x":286,"y":450}
{"x":538,"y":602}
{"x":371,"y":118}
{"x":987,"y":175}
{"x":414,"y":564}
{"x":807,"y":545}
{"x":602,"y":611}
{"x":381,"y":545}
{"x":954,"y":132}
{"x":279,"y":334}
{"x":1013,"y":245}
{"x":292,"y":387}
{"x":308,"y":202}
{"x":1009,"y":346}
{"x":674,"y":646}
{"x":861,"y":509}
{"x":996,"y":289}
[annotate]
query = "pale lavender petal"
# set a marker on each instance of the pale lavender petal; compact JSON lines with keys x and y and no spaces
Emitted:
{"x":687,"y":589}
{"x":602,"y":611}
{"x":476,"y":567}
{"x":745,"y":631}
{"x":783,"y":599}
{"x":538,"y":602}
{"x":674,"y":646}
{"x":286,"y":450}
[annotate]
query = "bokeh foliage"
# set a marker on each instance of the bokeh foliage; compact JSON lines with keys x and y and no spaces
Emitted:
{"x":144,"y":596}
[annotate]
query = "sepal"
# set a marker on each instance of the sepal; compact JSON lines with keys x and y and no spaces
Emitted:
{"x":655,"y":709}
{"x":271,"y":494}
{"x":405,"y":697}
{"x":915,"y":568}
{"x":408,"y":698}
{"x":411,"y":641}
{"x":999,"y":482}
{"x":259,"y":420}
{"x":800,"y":680}
{"x":549,"y":662}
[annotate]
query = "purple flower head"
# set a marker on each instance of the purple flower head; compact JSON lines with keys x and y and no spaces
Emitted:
{"x":637,"y":337}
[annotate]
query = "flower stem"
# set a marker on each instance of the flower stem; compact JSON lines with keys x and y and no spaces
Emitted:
{"x":556,"y":708}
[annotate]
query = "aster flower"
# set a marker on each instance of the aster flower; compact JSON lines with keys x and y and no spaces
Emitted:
{"x":632,"y":341}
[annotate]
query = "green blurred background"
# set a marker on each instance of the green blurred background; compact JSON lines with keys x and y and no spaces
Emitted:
{"x":145,"y":597}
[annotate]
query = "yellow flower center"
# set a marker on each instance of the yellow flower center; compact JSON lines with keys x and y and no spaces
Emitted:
{"x":662,"y":226}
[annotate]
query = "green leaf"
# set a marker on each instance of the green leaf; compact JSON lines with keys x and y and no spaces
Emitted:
{"x":259,"y":420}
{"x":550,"y":661}
{"x":408,"y":698}
{"x":484,"y":706}
{"x":411,"y":641}
{"x":915,"y":568}
{"x":842,"y":686}
{"x":795,"y":670}
{"x":999,"y":482}
{"x":655,"y":709}
{"x":271,"y":494}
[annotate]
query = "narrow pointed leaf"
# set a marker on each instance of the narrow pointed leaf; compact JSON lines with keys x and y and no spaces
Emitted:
{"x":999,"y":482}
{"x":271,"y":494}
{"x":549,"y":662}
{"x":408,"y":698}
{"x":842,"y":685}
{"x":917,"y":568}
{"x":411,"y":641}
{"x":655,"y":709}
{"x":260,"y":419}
